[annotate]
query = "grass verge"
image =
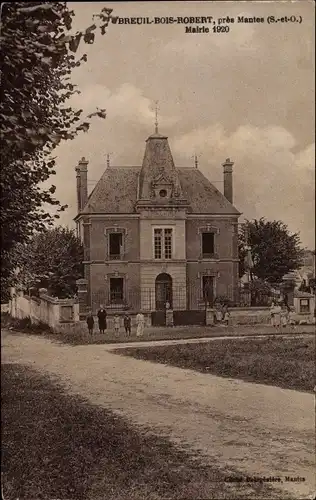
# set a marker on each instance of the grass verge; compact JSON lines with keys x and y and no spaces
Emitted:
{"x":285,"y":362}
{"x":59,"y":446}
{"x":151,"y":334}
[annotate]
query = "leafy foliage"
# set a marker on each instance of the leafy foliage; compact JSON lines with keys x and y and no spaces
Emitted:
{"x":304,"y":287}
{"x":274,"y":250}
{"x":260,"y":292}
{"x":242,"y":252}
{"x":312,"y":284}
{"x":38,"y":57}
{"x":52,"y":260}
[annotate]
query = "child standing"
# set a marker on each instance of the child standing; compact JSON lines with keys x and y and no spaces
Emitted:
{"x":116,"y":324}
{"x":272,"y":314}
{"x":140,"y":321}
{"x":218,"y":314}
{"x":226,"y":316}
{"x":90,"y":322}
{"x":277,"y":316}
{"x":292,"y":319}
{"x":284,"y":317}
{"x":127,"y":324}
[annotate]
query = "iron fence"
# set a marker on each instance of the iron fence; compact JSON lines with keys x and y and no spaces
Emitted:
{"x":180,"y":298}
{"x":257,"y":298}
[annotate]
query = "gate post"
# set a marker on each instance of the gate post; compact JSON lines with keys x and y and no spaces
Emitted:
{"x":209,"y":316}
{"x":82,"y":286}
{"x":169,"y":317}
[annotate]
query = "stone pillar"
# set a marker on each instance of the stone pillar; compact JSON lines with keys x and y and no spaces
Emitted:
{"x":82,"y":286}
{"x":76,"y":311}
{"x":54,"y":316}
{"x":210,"y":312}
{"x":289,"y":295}
{"x":169,"y":317}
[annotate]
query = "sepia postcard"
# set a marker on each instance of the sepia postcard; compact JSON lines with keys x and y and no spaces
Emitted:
{"x":158,"y":250}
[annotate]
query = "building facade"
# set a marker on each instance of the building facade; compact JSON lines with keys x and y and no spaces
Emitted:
{"x":156,"y":236}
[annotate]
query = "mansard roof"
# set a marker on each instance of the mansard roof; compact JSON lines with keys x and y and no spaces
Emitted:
{"x":118,"y":191}
{"x":202,"y":195}
{"x":115,"y":193}
{"x":121,"y":188}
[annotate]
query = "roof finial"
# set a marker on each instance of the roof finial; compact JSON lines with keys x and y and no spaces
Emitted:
{"x":196,"y":163}
{"x":108,"y":159}
{"x":156,"y":117}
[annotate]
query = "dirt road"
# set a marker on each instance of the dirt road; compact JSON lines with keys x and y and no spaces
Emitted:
{"x":255,"y":429}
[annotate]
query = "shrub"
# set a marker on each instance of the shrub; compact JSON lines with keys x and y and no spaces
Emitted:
{"x":223,"y":300}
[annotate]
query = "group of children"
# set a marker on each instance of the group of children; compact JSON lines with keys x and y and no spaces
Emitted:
{"x":222,"y":315}
{"x":282,"y":315}
{"x":127,"y":322}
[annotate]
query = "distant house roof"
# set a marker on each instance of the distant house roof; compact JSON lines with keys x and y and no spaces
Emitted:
{"x":117,"y":191}
{"x":302,"y":295}
{"x":299,"y":275}
{"x":307,"y":271}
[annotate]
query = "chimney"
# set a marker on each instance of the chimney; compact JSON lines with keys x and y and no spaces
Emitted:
{"x":82,"y":183}
{"x":228,"y":179}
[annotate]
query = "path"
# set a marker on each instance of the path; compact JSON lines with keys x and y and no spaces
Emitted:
{"x":199,"y":340}
{"x":255,"y":429}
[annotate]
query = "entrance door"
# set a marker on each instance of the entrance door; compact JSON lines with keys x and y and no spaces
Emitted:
{"x":163,"y":291}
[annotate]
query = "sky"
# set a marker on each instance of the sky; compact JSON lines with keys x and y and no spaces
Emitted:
{"x":247,"y":94}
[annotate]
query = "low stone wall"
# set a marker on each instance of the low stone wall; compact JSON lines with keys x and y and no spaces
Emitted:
{"x":43,"y":309}
{"x":262,"y":316}
{"x":249,"y":315}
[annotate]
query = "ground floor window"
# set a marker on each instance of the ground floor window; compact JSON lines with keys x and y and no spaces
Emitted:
{"x":116,"y":290}
{"x":304,"y":305}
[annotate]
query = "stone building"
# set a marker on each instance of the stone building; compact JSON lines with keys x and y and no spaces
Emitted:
{"x":156,"y":236}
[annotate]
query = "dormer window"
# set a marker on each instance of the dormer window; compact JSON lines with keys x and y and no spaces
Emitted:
{"x":162,"y":187}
